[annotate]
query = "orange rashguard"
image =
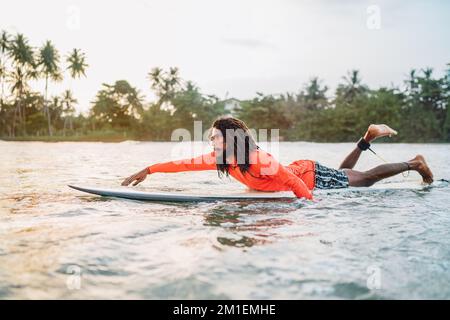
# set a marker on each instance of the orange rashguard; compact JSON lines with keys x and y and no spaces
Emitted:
{"x":264,"y":174}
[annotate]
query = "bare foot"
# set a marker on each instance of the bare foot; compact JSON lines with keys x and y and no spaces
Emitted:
{"x":419,"y":164}
{"x":378,"y":130}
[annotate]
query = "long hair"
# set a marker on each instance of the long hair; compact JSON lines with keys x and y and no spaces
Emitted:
{"x":239,"y":143}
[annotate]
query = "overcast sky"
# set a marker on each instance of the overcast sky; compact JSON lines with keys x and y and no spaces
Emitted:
{"x":239,"y":47}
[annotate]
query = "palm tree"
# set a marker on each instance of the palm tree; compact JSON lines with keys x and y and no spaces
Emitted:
{"x":19,"y":85}
{"x":49,"y":67}
{"x":314,"y":95}
{"x":155,"y":76}
{"x":411,"y":82}
{"x":4,"y":47}
{"x":174,"y":78}
{"x":25,"y":69}
{"x":447,"y":75}
{"x":55,"y":108}
{"x":166,"y":84}
{"x":352,"y":87}
{"x":156,"y":79}
{"x":427,"y":72}
{"x":68,"y":109}
{"x":77,"y":64}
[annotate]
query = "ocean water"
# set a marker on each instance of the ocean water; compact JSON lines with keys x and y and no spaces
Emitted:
{"x":391,"y":241}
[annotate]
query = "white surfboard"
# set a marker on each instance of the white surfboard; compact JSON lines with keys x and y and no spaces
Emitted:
{"x":128,"y":193}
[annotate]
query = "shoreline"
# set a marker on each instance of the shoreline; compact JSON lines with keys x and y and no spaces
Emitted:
{"x":122,"y":139}
{"x":66,"y":139}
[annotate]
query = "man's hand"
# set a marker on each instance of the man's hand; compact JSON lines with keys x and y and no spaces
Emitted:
{"x":139,"y":177}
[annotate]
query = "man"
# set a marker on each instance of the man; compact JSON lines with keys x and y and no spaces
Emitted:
{"x":236,"y":154}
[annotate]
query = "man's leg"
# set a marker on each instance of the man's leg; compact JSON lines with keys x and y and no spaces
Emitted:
{"x":374,"y":131}
{"x":350,"y":161}
{"x":368,"y":178}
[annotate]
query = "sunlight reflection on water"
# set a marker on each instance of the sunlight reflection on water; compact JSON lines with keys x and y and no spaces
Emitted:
{"x":238,"y":250}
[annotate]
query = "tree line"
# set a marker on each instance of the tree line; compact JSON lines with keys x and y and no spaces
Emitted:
{"x":417,"y":108}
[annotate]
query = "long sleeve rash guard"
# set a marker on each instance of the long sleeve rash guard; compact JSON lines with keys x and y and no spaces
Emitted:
{"x":264,"y":174}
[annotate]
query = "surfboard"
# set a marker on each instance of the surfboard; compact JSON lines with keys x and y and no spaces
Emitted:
{"x":128,"y":193}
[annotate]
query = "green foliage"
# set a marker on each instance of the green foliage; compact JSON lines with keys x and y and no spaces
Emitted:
{"x":117,"y":106}
{"x":419,"y":110}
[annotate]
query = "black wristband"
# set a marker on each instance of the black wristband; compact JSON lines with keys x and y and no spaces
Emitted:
{"x":363,"y":144}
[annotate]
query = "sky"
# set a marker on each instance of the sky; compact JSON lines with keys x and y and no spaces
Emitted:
{"x":237,"y":48}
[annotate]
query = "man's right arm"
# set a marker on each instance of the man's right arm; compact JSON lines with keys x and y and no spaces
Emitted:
{"x":203,"y":162}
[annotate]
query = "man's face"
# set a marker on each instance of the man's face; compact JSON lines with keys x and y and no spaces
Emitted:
{"x":216,"y":140}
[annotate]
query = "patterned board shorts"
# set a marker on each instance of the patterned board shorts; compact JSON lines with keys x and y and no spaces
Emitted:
{"x":327,"y":178}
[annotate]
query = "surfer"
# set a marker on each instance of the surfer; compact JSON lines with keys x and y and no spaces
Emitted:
{"x":237,"y":154}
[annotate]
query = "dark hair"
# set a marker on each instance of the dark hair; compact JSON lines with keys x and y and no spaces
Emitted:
{"x":243,"y":144}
